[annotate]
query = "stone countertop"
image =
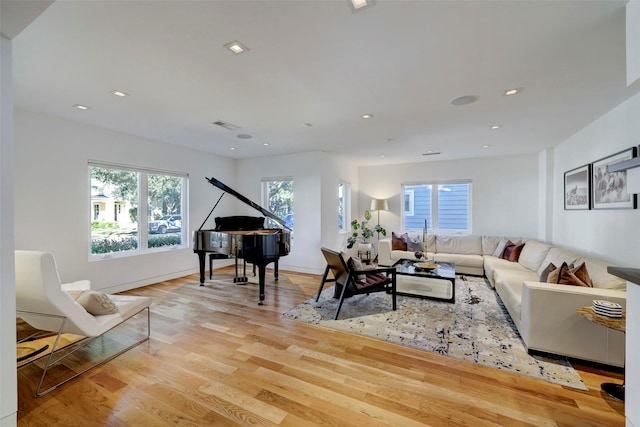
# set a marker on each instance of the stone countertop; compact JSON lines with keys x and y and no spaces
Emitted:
{"x":629,"y":274}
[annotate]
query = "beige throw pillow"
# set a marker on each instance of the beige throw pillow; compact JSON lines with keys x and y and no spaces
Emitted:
{"x":96,"y":303}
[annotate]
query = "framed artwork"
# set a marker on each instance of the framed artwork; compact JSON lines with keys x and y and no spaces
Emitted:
{"x":609,"y":190}
{"x":577,"y":190}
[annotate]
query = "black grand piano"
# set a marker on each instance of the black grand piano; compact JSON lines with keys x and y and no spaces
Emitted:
{"x":256,"y":244}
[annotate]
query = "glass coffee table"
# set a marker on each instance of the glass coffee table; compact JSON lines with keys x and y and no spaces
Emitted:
{"x":426,"y":279}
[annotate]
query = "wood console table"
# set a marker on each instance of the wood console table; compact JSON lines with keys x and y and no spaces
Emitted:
{"x":617,"y":323}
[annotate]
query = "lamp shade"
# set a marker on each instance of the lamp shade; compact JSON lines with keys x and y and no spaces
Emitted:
{"x":379,"y":205}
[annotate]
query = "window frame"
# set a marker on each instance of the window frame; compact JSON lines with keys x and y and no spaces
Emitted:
{"x":433,"y":225}
{"x":143,"y":203}
{"x":346,"y":206}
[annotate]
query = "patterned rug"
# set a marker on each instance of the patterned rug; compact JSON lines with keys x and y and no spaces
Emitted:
{"x":476,"y":328}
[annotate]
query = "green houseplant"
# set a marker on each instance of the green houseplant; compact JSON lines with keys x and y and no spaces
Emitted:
{"x":363,"y":230}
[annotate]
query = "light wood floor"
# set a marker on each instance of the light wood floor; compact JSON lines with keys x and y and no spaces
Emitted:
{"x":217,"y":358}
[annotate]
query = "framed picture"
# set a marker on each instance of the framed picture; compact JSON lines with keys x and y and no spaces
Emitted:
{"x":609,"y":190}
{"x":577,"y":189}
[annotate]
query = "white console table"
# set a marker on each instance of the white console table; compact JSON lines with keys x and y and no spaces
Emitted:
{"x":632,"y":344}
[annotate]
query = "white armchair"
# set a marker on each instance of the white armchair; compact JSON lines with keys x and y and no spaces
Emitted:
{"x":47,"y":304}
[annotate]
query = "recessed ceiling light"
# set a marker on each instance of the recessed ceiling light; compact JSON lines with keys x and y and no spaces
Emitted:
{"x":308,"y":124}
{"x":382,"y":155}
{"x":266,"y":144}
{"x":244,"y":136}
{"x":513,"y":91}
{"x":464,"y":100}
{"x":486,"y":146}
{"x":495,"y":127}
{"x":119,"y":93}
{"x":81,"y":107}
{"x":358,"y":5}
{"x":232,"y":148}
{"x":236,"y":47}
{"x":367,"y":116}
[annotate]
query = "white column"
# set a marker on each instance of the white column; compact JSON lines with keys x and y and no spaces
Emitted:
{"x":8,"y":382}
{"x":632,"y":357}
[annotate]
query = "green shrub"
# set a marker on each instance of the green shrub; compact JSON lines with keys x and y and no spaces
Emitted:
{"x":105,"y":246}
{"x":157,"y":241}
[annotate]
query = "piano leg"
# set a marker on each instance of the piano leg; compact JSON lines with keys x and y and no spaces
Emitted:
{"x":201,"y":258}
{"x":275,"y":269}
{"x":261,"y":279}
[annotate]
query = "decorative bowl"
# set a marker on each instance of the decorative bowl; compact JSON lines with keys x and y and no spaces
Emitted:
{"x":426,"y":265}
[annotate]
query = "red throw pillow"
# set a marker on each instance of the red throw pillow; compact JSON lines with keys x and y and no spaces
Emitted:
{"x":514,"y":252}
{"x":510,"y":245}
{"x":398,"y":243}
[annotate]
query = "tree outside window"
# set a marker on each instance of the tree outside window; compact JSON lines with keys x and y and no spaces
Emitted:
{"x":116,"y":204}
{"x":278,"y":199}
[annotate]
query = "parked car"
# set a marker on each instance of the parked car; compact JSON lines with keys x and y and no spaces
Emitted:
{"x":166,"y":224}
{"x":288,"y":221}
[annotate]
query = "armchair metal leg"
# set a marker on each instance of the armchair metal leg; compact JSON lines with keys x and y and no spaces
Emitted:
{"x":81,"y":344}
{"x":342,"y":294}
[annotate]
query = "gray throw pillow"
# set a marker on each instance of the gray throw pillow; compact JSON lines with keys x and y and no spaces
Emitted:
{"x":500,"y":248}
{"x":414,"y":243}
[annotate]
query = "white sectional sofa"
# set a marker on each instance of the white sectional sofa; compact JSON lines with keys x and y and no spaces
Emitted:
{"x":544,"y":313}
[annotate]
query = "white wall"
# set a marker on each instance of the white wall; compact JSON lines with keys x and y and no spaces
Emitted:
{"x":52,"y":197}
{"x":612,"y":235}
{"x":504,"y":191}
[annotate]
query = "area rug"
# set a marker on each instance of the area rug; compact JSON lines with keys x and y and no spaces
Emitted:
{"x":476,"y":328}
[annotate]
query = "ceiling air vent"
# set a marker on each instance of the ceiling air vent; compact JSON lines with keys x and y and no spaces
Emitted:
{"x":226,"y":125}
{"x":430,"y":153}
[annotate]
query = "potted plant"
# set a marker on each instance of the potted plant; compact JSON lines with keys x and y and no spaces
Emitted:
{"x":362,"y":231}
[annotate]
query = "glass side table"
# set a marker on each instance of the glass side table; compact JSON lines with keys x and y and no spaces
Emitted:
{"x":617,"y":323}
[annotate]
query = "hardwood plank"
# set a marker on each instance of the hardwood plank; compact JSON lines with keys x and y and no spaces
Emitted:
{"x":217,"y":358}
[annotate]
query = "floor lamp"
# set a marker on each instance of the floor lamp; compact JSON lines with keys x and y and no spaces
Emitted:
{"x":378,"y":205}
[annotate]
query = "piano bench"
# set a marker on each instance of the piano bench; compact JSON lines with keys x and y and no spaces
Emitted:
{"x":212,"y":256}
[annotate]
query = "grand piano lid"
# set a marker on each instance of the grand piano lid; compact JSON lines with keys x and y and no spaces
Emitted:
{"x":242,"y":198}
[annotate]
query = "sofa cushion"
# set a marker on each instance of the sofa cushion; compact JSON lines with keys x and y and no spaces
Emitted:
{"x":461,"y":260}
{"x":470,"y":245}
{"x":509,"y":287}
{"x":398,"y":243}
{"x":491,"y":264}
{"x":557,"y":256}
{"x":600,"y":278}
{"x":431,"y":243}
{"x":489,"y":244}
{"x":533,"y":254}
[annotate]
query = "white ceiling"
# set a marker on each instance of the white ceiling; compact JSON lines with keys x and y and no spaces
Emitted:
{"x":318,"y":62}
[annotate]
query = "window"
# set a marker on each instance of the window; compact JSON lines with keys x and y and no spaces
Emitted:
{"x":277,"y":197}
{"x":344,"y":206}
{"x":446,"y":209}
{"x":119,"y":195}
